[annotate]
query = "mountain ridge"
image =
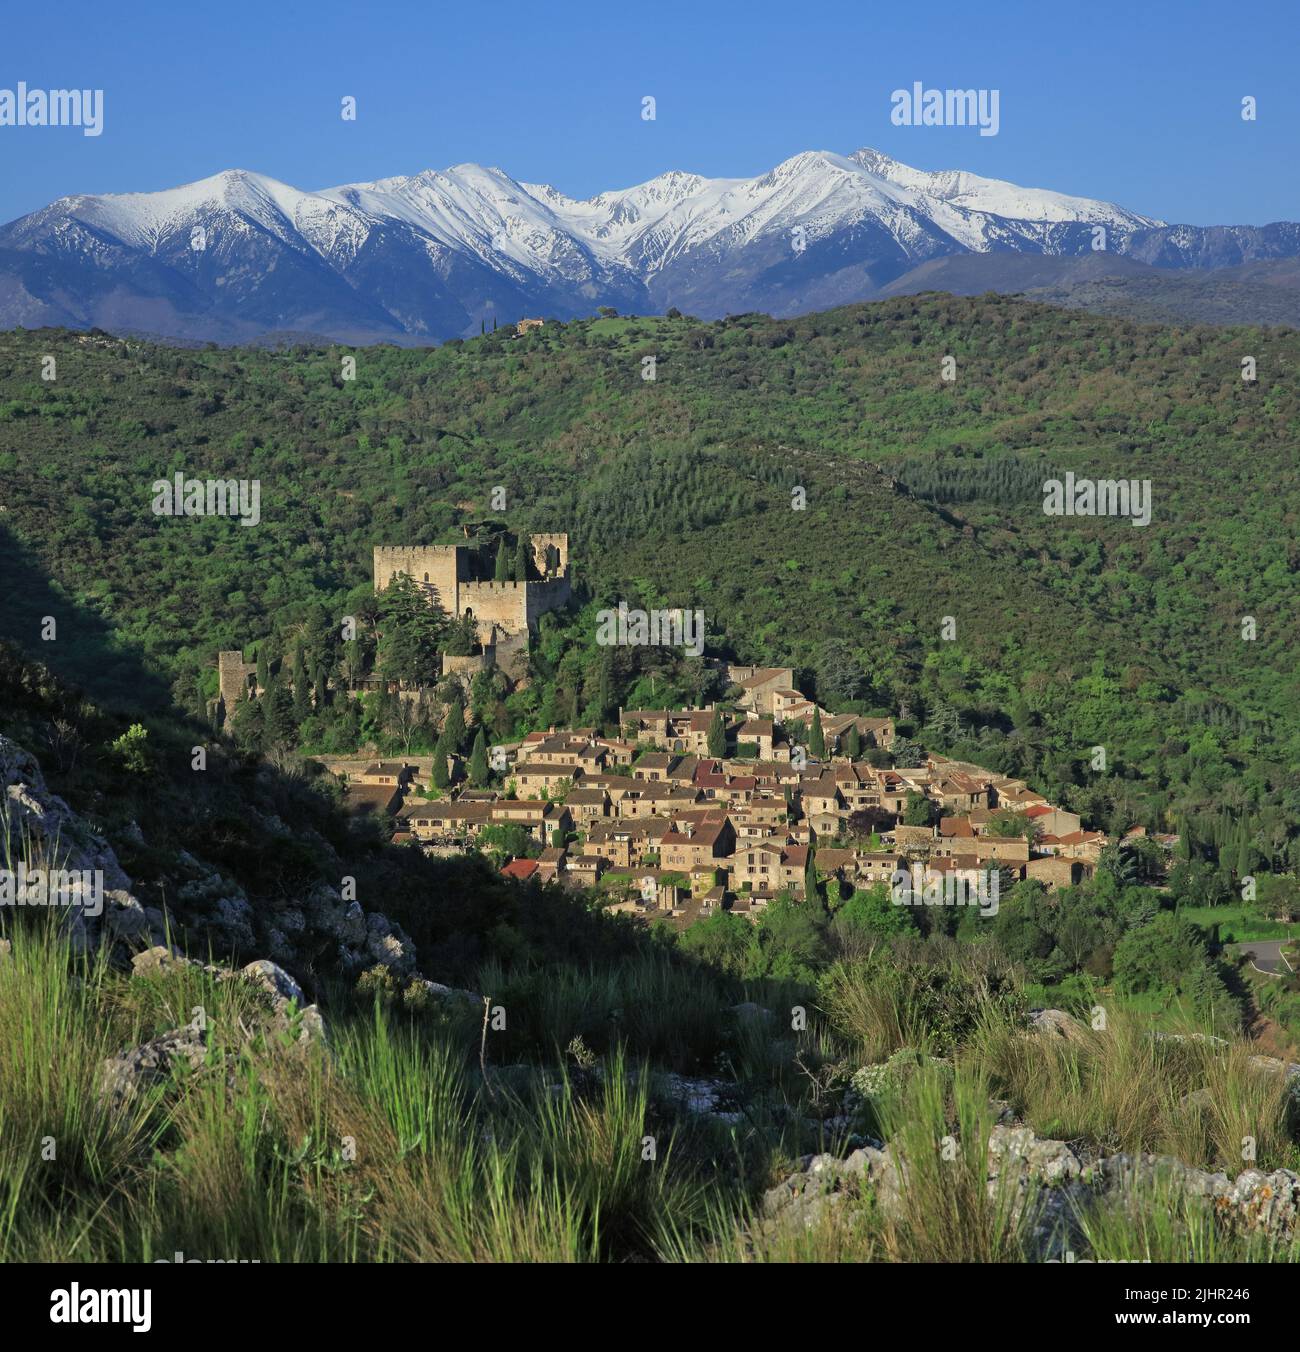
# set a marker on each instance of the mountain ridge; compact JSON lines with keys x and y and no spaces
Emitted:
{"x":440,"y":253}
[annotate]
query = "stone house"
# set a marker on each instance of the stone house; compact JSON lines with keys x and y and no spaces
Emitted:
{"x":758,"y":690}
{"x":388,"y":774}
{"x":654,"y":765}
{"x":443,"y":821}
{"x":587,"y":805}
{"x":789,"y":706}
{"x":725,"y":788}
{"x":550,"y":864}
{"x":1054,"y":821}
{"x":823,"y":809}
{"x":757,"y":867}
{"x":1055,"y":872}
{"x":856,"y":785}
{"x":612,"y":841}
{"x":915,"y":838}
{"x":531,"y":777}
{"x":371,"y":800}
{"x":873,"y":869}
{"x":585,"y":870}
{"x":759,"y":732}
{"x":692,"y":846}
{"x":1005,"y":849}
{"x":538,"y":817}
{"x":1085,"y":845}
{"x":958,"y":794}
{"x":769,"y":868}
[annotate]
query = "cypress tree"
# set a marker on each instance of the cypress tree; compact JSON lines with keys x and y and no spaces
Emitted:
{"x":453,"y":730}
{"x":439,"y":774}
{"x":478,"y":761}
{"x":810,"y":878}
{"x":502,"y":573}
{"x":301,"y":687}
{"x":853,"y":743}
{"x":816,"y":738}
{"x":604,"y":698}
{"x":717,"y":737}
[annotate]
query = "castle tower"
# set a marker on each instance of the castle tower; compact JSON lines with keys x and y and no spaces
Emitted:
{"x":504,"y":613}
{"x":234,"y":678}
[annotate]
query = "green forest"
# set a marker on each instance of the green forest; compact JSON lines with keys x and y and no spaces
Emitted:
{"x":814,"y":485}
{"x":829,"y":502}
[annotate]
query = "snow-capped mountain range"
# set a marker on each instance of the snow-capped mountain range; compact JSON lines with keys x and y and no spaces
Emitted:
{"x":437,"y":254}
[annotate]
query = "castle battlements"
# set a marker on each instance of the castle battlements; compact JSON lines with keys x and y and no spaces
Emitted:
{"x":510,"y":608}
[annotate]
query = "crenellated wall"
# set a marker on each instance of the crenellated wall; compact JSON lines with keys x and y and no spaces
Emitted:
{"x":544,"y":596}
{"x":437,"y":568}
{"x":500,"y":609}
{"x":504,"y":604}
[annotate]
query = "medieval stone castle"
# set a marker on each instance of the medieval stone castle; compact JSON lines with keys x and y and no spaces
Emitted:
{"x":504,"y":613}
{"x":457,"y":578}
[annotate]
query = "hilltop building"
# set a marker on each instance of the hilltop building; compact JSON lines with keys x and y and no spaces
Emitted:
{"x":458,"y":578}
{"x":235,"y":678}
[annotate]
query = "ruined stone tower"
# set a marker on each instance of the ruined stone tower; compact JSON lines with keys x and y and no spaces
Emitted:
{"x":234,"y":677}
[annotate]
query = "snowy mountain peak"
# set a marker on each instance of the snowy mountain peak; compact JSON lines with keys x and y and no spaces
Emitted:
{"x":438,"y":252}
{"x":993,"y":196}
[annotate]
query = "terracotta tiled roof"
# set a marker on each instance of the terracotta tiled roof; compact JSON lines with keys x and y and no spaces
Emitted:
{"x":762,"y":676}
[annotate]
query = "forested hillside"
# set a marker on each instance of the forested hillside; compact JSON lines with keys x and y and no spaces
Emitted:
{"x":923,"y":501}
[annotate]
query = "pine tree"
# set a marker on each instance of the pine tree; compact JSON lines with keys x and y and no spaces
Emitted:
{"x":413,"y":632}
{"x":280,"y":729}
{"x":816,"y":738}
{"x":247,"y":722}
{"x":478,"y":761}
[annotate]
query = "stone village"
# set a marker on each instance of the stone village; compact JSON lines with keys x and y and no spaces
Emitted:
{"x":662,"y":825}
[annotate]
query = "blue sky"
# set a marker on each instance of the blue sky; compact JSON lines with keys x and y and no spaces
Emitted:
{"x":1138,"y":103}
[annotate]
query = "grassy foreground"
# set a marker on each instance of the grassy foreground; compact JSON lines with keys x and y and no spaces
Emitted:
{"x":422,"y":1136}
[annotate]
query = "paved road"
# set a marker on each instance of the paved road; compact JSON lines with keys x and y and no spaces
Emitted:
{"x":1265,"y":956}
